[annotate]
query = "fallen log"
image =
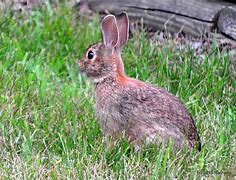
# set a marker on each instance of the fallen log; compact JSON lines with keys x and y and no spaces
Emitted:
{"x":190,"y":17}
{"x":227,"y":22}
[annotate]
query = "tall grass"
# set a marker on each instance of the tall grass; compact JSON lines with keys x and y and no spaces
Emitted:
{"x":47,"y":123}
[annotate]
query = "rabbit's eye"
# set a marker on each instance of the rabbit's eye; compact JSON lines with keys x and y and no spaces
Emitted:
{"x":90,"y":55}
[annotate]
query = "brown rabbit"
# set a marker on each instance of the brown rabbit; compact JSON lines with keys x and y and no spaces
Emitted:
{"x":128,"y":106}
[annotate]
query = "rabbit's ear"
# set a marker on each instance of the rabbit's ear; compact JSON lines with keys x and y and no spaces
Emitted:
{"x":123,"y":28}
{"x":109,"y":31}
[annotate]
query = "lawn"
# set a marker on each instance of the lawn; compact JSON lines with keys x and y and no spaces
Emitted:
{"x":47,"y":123}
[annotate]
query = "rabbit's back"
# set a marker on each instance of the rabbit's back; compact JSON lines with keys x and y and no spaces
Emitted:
{"x":144,"y":112}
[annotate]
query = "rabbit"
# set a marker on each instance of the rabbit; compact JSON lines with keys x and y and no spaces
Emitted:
{"x":128,"y":106}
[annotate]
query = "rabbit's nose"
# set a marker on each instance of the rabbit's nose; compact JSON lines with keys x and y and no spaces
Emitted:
{"x":81,"y":66}
{"x":81,"y":63}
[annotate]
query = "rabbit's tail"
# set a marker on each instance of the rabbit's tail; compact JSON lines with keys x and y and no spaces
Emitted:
{"x":196,"y":143}
{"x":194,"y":138}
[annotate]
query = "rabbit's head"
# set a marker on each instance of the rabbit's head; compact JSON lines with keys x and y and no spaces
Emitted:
{"x":103,"y":60}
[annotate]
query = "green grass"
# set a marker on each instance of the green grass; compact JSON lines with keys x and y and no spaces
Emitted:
{"x":47,"y":123}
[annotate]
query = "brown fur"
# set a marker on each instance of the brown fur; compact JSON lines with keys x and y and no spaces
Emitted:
{"x":128,"y":106}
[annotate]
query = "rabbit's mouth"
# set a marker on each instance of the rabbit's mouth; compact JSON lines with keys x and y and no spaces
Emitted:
{"x":81,"y":67}
{"x":87,"y":71}
{"x":82,"y":70}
